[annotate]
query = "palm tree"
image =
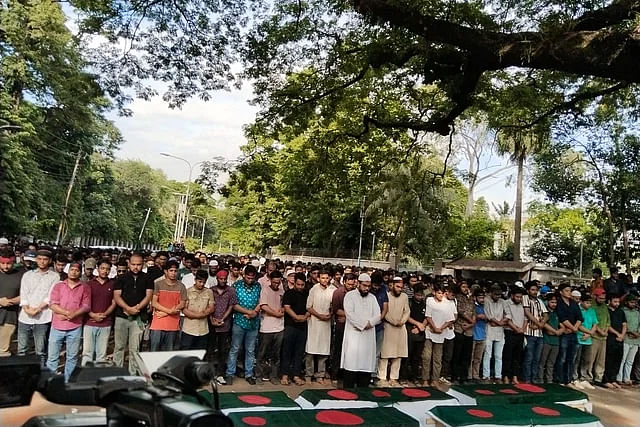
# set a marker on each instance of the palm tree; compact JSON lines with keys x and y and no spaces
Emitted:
{"x":519,"y":146}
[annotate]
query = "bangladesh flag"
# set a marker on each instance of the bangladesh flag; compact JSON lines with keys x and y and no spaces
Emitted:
{"x":375,"y":396}
{"x":258,"y":401}
{"x":513,"y":415}
{"x":325,"y":417}
{"x":502,"y":394}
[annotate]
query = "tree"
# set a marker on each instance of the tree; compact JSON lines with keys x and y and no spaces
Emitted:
{"x":562,"y":235}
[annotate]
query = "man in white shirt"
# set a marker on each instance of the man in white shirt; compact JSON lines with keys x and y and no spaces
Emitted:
{"x":494,"y":309}
{"x":318,"y":345}
{"x":35,"y":314}
{"x":441,"y":314}
{"x":362,"y":313}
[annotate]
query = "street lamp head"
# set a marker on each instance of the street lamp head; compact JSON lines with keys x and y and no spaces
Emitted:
{"x":166,"y":154}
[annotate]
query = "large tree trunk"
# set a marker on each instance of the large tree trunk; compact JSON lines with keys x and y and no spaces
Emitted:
{"x":469,"y":209}
{"x":611,"y":237}
{"x":518,"y":223}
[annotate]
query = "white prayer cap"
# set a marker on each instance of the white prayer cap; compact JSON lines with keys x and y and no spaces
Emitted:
{"x":290,"y":272}
{"x":398,"y":279}
{"x":364,"y":277}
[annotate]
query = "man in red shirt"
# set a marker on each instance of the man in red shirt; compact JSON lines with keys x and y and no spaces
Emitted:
{"x":95,"y":336}
{"x":69,"y":301}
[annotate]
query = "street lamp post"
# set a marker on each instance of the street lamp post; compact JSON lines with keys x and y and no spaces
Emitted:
{"x":183,"y":230}
{"x":204,"y":223}
{"x":373,"y":244}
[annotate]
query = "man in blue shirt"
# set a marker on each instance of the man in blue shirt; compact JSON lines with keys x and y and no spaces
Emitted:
{"x":246,"y":324}
{"x":479,"y":334}
{"x":379,"y":290}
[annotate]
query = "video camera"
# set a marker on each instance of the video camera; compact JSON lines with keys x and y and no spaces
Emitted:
{"x":169,"y":399}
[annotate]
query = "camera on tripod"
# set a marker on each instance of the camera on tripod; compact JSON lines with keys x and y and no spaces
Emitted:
{"x":171,"y":398}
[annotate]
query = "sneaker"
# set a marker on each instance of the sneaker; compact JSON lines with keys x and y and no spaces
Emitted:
{"x":258,"y":380}
{"x":251,"y":380}
{"x":221,"y":380}
{"x":443,"y":380}
{"x":586,"y":384}
{"x":228,"y":380}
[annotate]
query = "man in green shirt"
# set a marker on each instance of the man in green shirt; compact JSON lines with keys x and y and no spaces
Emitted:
{"x":593,"y":369}
{"x":631,"y":340}
{"x":587,"y":329}
{"x":552,"y":331}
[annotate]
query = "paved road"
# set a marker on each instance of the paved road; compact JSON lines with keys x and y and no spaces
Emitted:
{"x":615,"y":408}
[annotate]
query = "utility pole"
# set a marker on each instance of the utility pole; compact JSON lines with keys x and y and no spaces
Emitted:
{"x":144,"y":224}
{"x":373,"y":244}
{"x":63,"y":220}
{"x":204,"y":223}
{"x":361,"y":230}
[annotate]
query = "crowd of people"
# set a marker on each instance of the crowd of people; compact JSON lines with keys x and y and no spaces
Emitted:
{"x":295,"y":323}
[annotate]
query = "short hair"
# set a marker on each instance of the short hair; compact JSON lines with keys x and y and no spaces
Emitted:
{"x":60,"y":257}
{"x":515,"y":290}
{"x":195,"y":263}
{"x":418,"y":289}
{"x":250,"y":269}
{"x":563,"y":285}
{"x":495,"y":288}
{"x":104,"y":261}
{"x":478,"y":292}
{"x":350,"y":276}
{"x":170,"y":264}
{"x":122,"y":263}
{"x":138,"y":255}
{"x":597,"y":270}
{"x":162,"y":253}
{"x":530,"y":284}
{"x":324,"y":272}
{"x":275,"y":274}
{"x":202,"y":275}
{"x":377,"y":278}
{"x":300,"y":276}
{"x":6,"y":253}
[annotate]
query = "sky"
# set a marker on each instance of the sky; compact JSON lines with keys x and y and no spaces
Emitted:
{"x":201,"y":130}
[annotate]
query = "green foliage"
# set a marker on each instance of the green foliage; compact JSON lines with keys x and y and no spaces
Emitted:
{"x":558,"y":234}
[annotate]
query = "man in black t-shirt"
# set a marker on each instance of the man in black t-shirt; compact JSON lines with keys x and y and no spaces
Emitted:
{"x":570,"y":317}
{"x":295,"y":330}
{"x":132,"y":293}
{"x":9,"y":299}
{"x":415,"y":332}
{"x":615,"y":343}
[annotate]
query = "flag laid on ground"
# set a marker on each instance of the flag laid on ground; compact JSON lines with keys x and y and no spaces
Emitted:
{"x":253,"y":401}
{"x":514,"y":415}
{"x":379,"y":417}
{"x":502,"y":394}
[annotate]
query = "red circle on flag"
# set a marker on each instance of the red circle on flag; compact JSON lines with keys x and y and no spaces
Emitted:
{"x":342,"y":394}
{"x":484,"y":391}
{"x":540,"y":410}
{"x":479,"y":413}
{"x":254,"y":421}
{"x":508,"y":391}
{"x":338,"y":418}
{"x":254,"y":399}
{"x":380,"y":393}
{"x":532,"y":388}
{"x":415,"y":392}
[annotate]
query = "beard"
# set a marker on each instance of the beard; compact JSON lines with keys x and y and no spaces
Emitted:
{"x":363,"y":293}
{"x":396,"y":293}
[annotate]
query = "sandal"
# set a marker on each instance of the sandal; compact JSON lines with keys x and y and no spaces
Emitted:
{"x":299,"y":381}
{"x":284,"y":381}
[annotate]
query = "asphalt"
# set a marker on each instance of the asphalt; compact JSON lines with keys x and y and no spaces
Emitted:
{"x":613,"y":407}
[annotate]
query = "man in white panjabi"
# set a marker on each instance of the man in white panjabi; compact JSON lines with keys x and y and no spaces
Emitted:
{"x":362,"y":313}
{"x":394,"y":344}
{"x":318,"y":345}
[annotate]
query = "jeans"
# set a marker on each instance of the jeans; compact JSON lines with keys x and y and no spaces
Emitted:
{"x":95,"y":340}
{"x":238,"y":336}
{"x":548,"y":363}
{"x":193,"y":342}
{"x":162,"y":340}
{"x":130,"y":331}
{"x":293,"y":345}
{"x":221,"y":344}
{"x":410,"y":368}
{"x":40,"y":333}
{"x":71,"y":339}
{"x":269,"y":354}
{"x":532,"y":355}
{"x":566,"y":356}
{"x":628,"y":356}
{"x":492,"y":348}
{"x":447,"y":358}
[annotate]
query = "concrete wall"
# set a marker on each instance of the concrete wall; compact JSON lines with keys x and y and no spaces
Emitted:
{"x":344,"y":261}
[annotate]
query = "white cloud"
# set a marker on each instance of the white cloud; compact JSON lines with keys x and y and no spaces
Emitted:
{"x":199,"y":131}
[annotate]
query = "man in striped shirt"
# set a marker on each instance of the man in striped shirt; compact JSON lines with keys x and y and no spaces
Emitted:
{"x":537,"y":314}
